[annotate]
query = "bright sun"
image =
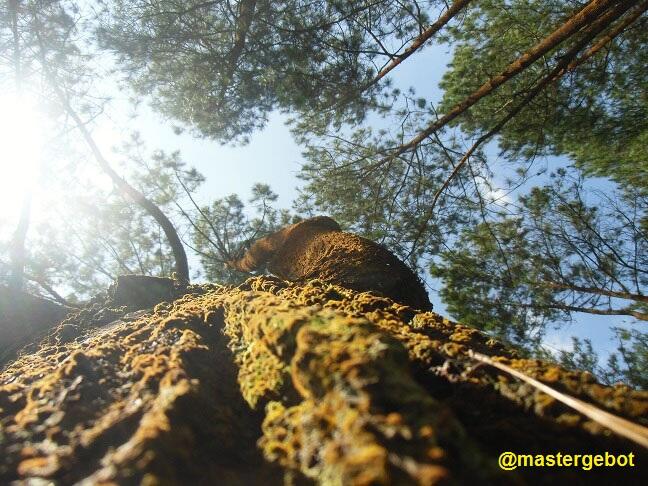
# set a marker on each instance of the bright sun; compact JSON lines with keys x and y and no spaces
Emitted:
{"x":21,"y":147}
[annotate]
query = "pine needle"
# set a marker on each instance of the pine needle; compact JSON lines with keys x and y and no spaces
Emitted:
{"x":630,"y":430}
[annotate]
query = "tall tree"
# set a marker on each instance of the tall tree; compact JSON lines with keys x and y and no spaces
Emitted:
{"x":170,"y":232}
{"x":50,"y":39}
{"x":562,"y":250}
{"x":50,"y":61}
{"x":9,"y":21}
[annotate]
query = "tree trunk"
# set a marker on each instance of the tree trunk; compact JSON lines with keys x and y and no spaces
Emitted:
{"x":179,"y":254}
{"x":18,"y":250}
{"x":271,"y":382}
{"x":417,"y":43}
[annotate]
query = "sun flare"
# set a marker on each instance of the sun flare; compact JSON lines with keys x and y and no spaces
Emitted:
{"x":21,"y":151}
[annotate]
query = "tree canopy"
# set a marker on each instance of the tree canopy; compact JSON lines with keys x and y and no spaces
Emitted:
{"x":560,"y":251}
{"x":596,"y":114}
{"x":220,"y":67}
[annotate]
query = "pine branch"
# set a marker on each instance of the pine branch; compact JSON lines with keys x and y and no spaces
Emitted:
{"x":581,"y":19}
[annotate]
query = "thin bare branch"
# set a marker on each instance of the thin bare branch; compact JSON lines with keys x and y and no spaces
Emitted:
{"x":594,"y":290}
{"x":635,"y":432}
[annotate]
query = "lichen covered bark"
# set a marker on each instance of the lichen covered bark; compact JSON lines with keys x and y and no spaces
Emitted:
{"x":148,"y":398}
{"x":273,"y":381}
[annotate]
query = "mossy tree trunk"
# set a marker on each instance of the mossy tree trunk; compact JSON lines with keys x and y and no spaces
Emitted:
{"x":274,"y":381}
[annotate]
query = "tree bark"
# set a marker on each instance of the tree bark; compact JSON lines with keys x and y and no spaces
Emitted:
{"x":618,"y":29}
{"x":305,"y":382}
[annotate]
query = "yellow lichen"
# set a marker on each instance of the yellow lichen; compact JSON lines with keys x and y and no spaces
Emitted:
{"x":335,"y":386}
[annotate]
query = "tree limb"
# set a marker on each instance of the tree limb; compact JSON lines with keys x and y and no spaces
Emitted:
{"x":583,"y":18}
{"x":594,"y":290}
{"x":448,"y":15}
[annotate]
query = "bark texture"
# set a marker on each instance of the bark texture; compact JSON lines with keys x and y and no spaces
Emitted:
{"x":317,"y":248}
{"x":275,"y":381}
